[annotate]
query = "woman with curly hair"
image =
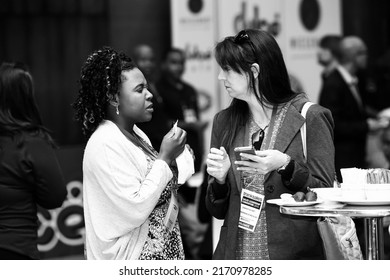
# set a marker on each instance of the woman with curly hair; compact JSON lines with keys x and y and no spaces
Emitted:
{"x":129,"y":189}
{"x":29,"y":171}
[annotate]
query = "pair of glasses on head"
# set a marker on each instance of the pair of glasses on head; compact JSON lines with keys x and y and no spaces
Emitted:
{"x":243,"y":37}
{"x":258,"y":137}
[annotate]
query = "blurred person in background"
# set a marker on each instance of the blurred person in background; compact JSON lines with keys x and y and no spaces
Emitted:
{"x":342,"y":95}
{"x":181,"y":100}
{"x":181,"y":103}
{"x":380,"y":101}
{"x":354,"y":120}
{"x":144,"y":58}
{"x":30,"y":175}
{"x":127,"y":186}
{"x":382,"y":77}
{"x":264,"y":114}
{"x":328,"y":53}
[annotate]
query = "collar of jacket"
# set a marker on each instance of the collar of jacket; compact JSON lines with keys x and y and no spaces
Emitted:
{"x":291,"y":125}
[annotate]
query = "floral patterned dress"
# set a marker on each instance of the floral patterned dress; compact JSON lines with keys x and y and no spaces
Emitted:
{"x":162,"y":244}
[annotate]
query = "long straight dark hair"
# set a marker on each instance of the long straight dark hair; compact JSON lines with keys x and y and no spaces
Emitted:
{"x":18,"y":108}
{"x":273,"y":80}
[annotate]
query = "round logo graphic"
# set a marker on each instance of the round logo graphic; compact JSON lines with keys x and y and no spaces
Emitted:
{"x":195,"y":6}
{"x":310,"y":12}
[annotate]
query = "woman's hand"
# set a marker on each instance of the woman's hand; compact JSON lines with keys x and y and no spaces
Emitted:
{"x":172,"y":145}
{"x":263,"y":162}
{"x":218,"y":164}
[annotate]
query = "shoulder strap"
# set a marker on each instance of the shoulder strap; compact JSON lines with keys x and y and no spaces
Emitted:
{"x":304,"y":110}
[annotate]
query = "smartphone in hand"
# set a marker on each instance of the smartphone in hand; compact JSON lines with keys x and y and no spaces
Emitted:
{"x":246,"y":150}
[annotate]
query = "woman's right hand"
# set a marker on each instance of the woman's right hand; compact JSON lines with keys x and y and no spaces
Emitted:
{"x":172,"y":145}
{"x":218,"y":164}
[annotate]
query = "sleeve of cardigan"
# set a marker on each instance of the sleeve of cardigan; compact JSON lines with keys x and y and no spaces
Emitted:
{"x":122,"y":195}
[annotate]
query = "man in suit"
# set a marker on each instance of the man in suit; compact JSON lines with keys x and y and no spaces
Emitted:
{"x":328,"y":53}
{"x":340,"y":93}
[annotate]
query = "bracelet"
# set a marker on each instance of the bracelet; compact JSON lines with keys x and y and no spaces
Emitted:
{"x":283,"y":167}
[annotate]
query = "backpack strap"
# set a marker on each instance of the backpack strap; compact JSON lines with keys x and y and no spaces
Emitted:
{"x":304,"y":110}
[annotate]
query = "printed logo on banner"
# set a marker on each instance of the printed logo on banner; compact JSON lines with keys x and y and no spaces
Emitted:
{"x":310,"y":13}
{"x":195,"y":6}
{"x":193,"y":52}
{"x":63,"y":227}
{"x":242,"y":22}
{"x":194,"y":18}
{"x":309,"y":16}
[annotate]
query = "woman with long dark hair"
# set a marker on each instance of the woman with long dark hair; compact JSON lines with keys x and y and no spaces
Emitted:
{"x":29,"y":171}
{"x":264,"y":114}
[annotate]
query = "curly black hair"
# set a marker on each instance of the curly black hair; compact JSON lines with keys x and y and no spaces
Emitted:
{"x":99,"y":83}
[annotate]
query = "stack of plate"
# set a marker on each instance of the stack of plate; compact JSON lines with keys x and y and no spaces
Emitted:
{"x":368,"y":194}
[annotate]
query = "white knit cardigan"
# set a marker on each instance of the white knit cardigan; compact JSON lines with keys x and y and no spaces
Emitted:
{"x":118,"y":193}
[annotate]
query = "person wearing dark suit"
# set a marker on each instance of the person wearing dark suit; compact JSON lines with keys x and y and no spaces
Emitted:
{"x":328,"y":53}
{"x":341,"y":94}
{"x":181,"y":101}
{"x":264,"y":113}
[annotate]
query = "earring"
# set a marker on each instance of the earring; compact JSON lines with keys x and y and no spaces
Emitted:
{"x":117,"y":109}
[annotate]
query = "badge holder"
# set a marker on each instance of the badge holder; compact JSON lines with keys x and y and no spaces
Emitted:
{"x":251,"y":205}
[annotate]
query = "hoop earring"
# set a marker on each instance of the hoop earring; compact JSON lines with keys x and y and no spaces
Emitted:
{"x":117,"y":109}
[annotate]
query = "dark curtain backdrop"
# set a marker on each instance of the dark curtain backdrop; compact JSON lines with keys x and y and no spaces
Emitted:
{"x":134,"y":22}
{"x":53,"y":38}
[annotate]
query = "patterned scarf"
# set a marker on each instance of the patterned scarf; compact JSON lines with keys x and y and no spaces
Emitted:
{"x":254,"y":245}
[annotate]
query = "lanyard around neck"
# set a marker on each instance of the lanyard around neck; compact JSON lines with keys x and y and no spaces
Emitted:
{"x":140,"y":143}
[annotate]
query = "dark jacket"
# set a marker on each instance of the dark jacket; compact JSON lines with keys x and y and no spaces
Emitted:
{"x":288,"y":237}
{"x":350,"y":122}
{"x":30,"y":175}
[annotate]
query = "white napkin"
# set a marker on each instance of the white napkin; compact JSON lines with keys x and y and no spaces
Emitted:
{"x":354,"y":177}
{"x":184,"y":162}
{"x":185,"y":166}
